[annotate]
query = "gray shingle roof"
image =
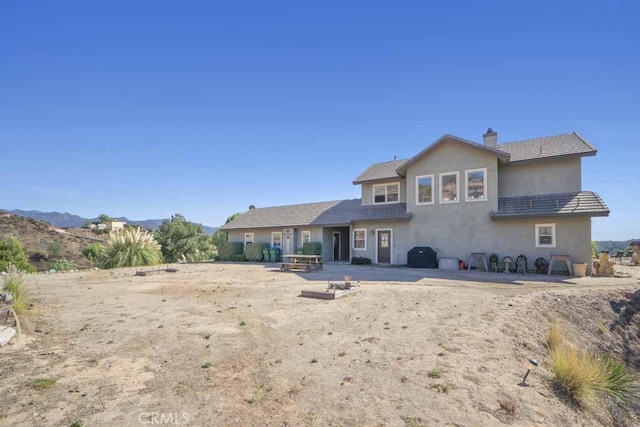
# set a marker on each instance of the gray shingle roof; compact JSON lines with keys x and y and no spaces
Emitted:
{"x":339,"y":212}
{"x":528,"y":150}
{"x":380,"y":171}
{"x":583,"y":203}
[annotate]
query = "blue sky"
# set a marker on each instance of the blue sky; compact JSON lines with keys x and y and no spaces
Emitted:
{"x":148,"y":108}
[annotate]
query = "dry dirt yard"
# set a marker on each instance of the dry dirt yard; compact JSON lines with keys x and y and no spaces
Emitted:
{"x":234,"y":344}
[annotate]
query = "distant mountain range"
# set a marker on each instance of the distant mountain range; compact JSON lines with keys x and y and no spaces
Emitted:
{"x":67,"y":220}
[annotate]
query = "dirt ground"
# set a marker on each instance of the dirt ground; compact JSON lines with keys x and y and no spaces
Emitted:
{"x":234,"y":344}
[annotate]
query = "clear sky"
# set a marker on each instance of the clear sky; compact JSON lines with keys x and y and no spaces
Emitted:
{"x":148,"y":108}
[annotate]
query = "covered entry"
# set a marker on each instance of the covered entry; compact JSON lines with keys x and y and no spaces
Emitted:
{"x":336,"y":244}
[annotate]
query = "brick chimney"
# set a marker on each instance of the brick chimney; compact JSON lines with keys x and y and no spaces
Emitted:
{"x":490,"y":138}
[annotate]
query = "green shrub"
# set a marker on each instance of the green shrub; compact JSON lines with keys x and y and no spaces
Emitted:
{"x":11,"y":252}
{"x":253,"y":251}
{"x":12,"y":282}
{"x":238,"y":258}
{"x":130,"y":247}
{"x":92,"y":252}
{"x":63,"y":265}
{"x":360,"y":260}
{"x":312,"y":248}
{"x":227,"y":249}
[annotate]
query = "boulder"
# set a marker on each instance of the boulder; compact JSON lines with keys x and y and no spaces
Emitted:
{"x":5,"y":335}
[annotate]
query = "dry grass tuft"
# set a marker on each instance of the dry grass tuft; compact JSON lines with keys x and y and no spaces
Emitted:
{"x":555,"y":337}
{"x":589,"y":378}
{"x":508,"y":406}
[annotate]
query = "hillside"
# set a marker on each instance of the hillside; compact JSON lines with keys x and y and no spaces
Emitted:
{"x":43,"y":245}
{"x":67,"y":220}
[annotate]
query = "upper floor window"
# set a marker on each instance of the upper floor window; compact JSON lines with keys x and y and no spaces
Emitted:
{"x":476,"y":185}
{"x":449,"y":187}
{"x":386,"y":193}
{"x":545,"y":235}
{"x":424,"y":190}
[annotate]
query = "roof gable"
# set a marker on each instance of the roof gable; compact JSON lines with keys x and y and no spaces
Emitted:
{"x":401,"y":170}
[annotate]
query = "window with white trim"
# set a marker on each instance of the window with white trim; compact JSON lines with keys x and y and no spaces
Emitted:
{"x":305,"y":236}
{"x":360,"y":239}
{"x":248,"y":238}
{"x":545,"y":235}
{"x":476,"y":185}
{"x":386,"y":193}
{"x":276,"y":239}
{"x":424,"y":190}
{"x":449,"y":187}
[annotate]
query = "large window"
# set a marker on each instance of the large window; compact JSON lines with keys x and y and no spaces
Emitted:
{"x":360,"y":239}
{"x":386,"y":193}
{"x":424,"y":190}
{"x":305,"y":236}
{"x":545,"y":235}
{"x":276,"y":239}
{"x":449,"y":187}
{"x":476,"y":185}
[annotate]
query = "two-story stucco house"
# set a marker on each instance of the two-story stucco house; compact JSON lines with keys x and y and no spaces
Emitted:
{"x":456,"y":196}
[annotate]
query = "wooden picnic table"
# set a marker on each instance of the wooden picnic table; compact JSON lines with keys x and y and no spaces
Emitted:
{"x":301,"y":262}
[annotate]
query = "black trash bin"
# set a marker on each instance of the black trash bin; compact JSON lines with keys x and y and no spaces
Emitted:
{"x":422,"y":257}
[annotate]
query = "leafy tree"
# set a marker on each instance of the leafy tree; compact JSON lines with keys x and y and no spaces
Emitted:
{"x":104,"y":218}
{"x":182,"y":240}
{"x":220,"y":237}
{"x":11,"y":252}
{"x":594,"y":249}
{"x":130,"y":248}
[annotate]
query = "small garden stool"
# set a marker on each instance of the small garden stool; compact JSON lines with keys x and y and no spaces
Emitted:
{"x":507,"y":261}
{"x":565,"y":258}
{"x":478,"y":255}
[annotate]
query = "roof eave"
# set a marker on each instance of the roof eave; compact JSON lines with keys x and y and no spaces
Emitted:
{"x":495,"y":216}
{"x":365,"y":181}
{"x":560,"y":157}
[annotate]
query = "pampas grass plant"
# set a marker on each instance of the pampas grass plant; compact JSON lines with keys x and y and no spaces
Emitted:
{"x":12,"y":282}
{"x":130,"y":247}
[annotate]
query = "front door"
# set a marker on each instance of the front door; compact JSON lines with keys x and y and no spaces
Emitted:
{"x":384,"y":246}
{"x":336,"y":246}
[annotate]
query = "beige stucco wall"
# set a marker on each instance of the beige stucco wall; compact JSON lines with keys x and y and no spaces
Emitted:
{"x":554,"y":176}
{"x":367,"y":189}
{"x":458,"y":239}
{"x":399,"y":240}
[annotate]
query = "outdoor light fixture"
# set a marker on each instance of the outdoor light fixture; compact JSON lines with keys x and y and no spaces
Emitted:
{"x":531,"y":365}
